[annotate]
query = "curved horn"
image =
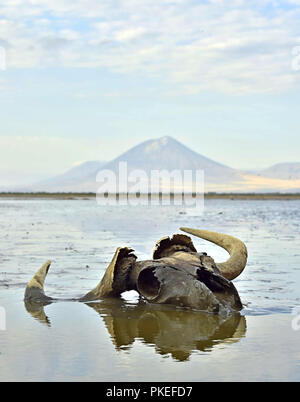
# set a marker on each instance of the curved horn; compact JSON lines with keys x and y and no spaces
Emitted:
{"x":35,"y":288}
{"x":114,"y":281}
{"x":235,"y":247}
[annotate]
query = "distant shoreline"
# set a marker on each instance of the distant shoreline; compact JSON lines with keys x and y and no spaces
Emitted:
{"x":210,"y":195}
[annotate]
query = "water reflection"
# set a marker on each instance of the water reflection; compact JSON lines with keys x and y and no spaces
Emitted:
{"x":168,"y":330}
{"x":36,"y":310}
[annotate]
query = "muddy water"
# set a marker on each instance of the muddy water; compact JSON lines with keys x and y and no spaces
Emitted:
{"x":128,"y":340}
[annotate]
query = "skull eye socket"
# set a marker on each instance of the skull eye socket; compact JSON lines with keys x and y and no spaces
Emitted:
{"x":147,"y":283}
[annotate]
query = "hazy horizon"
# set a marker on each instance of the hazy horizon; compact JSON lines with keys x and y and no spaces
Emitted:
{"x":17,"y":179}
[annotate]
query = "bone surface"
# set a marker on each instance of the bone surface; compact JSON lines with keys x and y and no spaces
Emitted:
{"x":177,"y":275}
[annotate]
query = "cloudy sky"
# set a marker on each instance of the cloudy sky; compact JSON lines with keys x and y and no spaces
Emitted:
{"x":88,"y":79}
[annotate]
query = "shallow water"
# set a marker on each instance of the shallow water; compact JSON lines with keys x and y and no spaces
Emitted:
{"x":127,"y":340}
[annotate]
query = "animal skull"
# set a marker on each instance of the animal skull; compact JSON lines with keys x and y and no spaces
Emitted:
{"x":177,"y":275}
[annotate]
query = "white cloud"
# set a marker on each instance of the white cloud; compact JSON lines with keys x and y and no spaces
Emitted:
{"x":236,"y":47}
{"x":128,"y":34}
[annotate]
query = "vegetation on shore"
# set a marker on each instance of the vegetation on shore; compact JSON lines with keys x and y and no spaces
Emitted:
{"x":209,"y":195}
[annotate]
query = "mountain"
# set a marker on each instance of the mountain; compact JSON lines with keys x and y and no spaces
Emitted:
{"x":168,"y":154}
{"x":163,"y":153}
{"x":285,"y":171}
